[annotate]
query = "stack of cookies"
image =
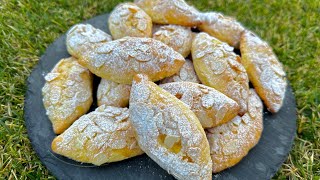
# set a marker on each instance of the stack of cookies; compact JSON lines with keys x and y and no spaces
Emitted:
{"x":171,"y":87}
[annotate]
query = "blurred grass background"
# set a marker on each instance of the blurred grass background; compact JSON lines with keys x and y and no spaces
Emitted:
{"x":27,"y":27}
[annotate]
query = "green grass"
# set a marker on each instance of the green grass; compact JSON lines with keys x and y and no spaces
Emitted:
{"x":27,"y":27}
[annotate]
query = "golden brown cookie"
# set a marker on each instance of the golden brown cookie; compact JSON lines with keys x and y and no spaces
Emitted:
{"x":177,"y":37}
{"x":127,"y":19}
{"x":113,"y":94}
{"x":219,"y":67}
{"x":265,"y":71}
{"x":67,"y":93}
{"x":224,"y":28}
{"x":168,"y":131}
{"x":121,"y":59}
{"x":210,"y":106}
{"x":186,"y":73}
{"x":80,"y":37}
{"x":170,"y":12}
{"x":230,"y":142}
{"x":102,"y":136}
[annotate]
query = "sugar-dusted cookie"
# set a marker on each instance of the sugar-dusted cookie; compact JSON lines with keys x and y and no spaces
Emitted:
{"x":127,"y":19}
{"x":102,"y":136}
{"x":219,"y":67}
{"x":82,"y":37}
{"x":168,"y":131}
{"x":230,"y":142}
{"x":67,"y":93}
{"x":113,"y":94}
{"x":224,"y":28}
{"x":186,"y":73}
{"x":177,"y":37}
{"x":170,"y":12}
{"x":121,"y":59}
{"x":210,"y":106}
{"x":265,"y":71}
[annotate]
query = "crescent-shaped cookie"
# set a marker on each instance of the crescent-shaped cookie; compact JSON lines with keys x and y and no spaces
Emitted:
{"x":186,"y":73}
{"x":121,"y":59}
{"x":168,"y":131}
{"x":113,"y":94}
{"x":265,"y":71}
{"x":230,"y":142}
{"x":219,"y":67}
{"x":67,"y":93}
{"x":177,"y":37}
{"x":127,"y":19}
{"x":224,"y":28}
{"x":210,"y":106}
{"x":102,"y":136}
{"x":170,"y":12}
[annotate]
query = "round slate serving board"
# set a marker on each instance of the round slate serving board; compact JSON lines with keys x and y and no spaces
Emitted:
{"x":262,"y":162}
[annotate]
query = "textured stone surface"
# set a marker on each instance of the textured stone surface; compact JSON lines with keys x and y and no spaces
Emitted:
{"x":262,"y":161}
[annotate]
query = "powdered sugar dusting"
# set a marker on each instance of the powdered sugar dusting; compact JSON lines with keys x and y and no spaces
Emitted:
{"x":218,"y":66}
{"x":230,"y":142}
{"x":140,"y":92}
{"x":102,"y":131}
{"x":113,"y":94}
{"x":51,"y":76}
{"x":61,"y":95}
{"x":180,"y":12}
{"x":267,"y":73}
{"x":224,"y":28}
{"x":127,"y":19}
{"x":208,"y":104}
{"x":121,"y":59}
{"x":177,"y":37}
{"x":81,"y":35}
{"x":168,"y":132}
{"x":186,"y":73}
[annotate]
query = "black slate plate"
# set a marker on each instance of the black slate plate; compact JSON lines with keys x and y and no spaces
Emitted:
{"x":262,"y":162}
